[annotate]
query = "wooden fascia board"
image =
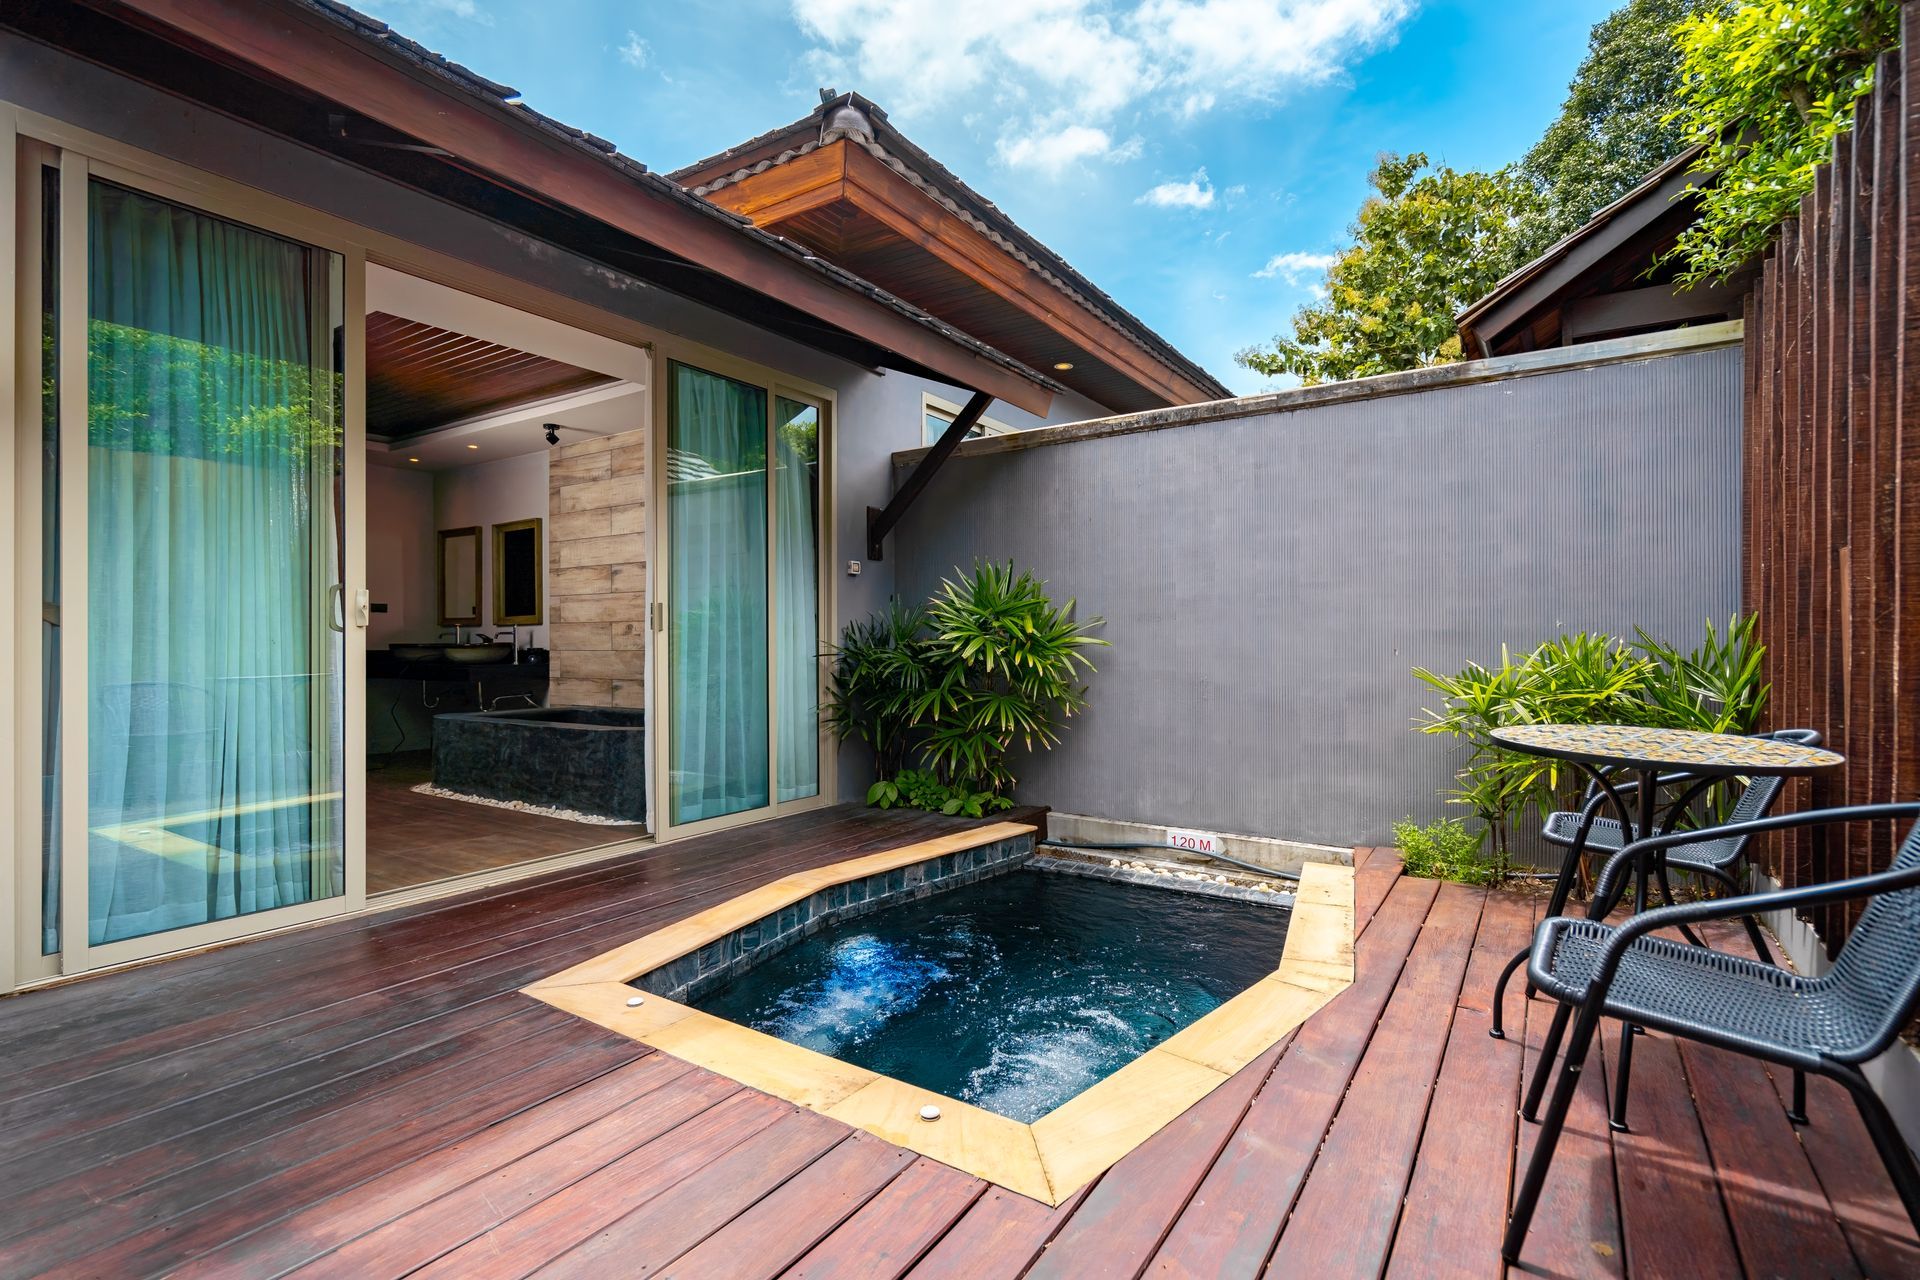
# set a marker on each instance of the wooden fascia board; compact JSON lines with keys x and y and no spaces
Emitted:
{"x":886,"y":196}
{"x":307,"y":50}
{"x":786,"y":191}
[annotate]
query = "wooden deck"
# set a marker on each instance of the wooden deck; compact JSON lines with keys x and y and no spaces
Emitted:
{"x":374,"y":1097}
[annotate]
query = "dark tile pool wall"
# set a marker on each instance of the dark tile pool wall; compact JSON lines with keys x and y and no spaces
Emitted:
{"x":724,"y":959}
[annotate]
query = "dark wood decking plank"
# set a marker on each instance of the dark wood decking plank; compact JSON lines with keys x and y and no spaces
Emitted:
{"x":1343,"y":1220}
{"x":1456,"y":1202}
{"x":1234,"y":1218}
{"x":650,"y":1237}
{"x":1126,"y":1214}
{"x":526,"y":1240}
{"x":1855,"y":1180}
{"x":117,"y":1162}
{"x":249,"y":1106}
{"x":1671,"y":1214}
{"x":166,"y":1240}
{"x":1783,"y":1223}
{"x":1371,"y":882}
{"x":477,"y":1183}
{"x":772,"y":1235}
{"x":997,"y":1239}
{"x":893,"y":1230}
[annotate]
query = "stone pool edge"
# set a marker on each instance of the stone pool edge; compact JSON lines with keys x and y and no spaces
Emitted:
{"x":1047,"y":1160}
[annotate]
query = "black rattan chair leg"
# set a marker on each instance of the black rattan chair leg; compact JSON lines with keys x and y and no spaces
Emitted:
{"x":1499,"y":1031}
{"x":1887,"y":1140}
{"x":1797,"y":1113}
{"x":1543,"y":1070}
{"x":1549,"y":1137}
{"x":1666,"y":894}
{"x":1622,"y":1077}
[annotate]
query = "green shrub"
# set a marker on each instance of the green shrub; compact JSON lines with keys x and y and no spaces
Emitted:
{"x":951,"y":688}
{"x":1445,"y":850}
{"x":918,"y":789}
{"x":1587,"y":679}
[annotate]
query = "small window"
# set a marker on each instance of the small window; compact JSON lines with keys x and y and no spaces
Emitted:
{"x":937,"y":415}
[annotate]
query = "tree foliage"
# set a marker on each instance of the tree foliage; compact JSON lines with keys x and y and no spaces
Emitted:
{"x":1766,"y":89}
{"x":1617,"y":124}
{"x":1426,"y":243}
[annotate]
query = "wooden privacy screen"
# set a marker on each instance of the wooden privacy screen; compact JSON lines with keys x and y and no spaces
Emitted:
{"x":1831,"y":477}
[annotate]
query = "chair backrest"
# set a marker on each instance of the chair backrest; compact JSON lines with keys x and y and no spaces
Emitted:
{"x":1757,"y":797}
{"x":1879,"y":967}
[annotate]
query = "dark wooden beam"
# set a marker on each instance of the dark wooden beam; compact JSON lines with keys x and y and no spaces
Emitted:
{"x":880,"y":523}
{"x":304,"y":48}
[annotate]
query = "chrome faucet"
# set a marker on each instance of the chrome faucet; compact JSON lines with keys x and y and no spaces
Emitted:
{"x":513,"y":638}
{"x":458,"y":638}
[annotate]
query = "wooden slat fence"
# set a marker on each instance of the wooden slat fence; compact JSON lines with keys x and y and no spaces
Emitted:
{"x":1832,"y":475}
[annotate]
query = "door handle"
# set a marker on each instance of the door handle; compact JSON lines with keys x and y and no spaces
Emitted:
{"x":362,"y":607}
{"x":336,"y":607}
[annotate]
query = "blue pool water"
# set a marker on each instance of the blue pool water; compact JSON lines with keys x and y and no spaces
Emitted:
{"x":1014,"y":993}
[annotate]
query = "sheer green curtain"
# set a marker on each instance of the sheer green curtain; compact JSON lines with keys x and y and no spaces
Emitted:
{"x":213,"y":662}
{"x":796,"y":571}
{"x":717,"y":523}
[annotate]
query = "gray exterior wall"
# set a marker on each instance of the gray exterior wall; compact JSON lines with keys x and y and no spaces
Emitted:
{"x":877,"y":413}
{"x":1269,"y":580}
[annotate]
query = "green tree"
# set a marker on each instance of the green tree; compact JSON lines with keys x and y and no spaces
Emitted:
{"x":1426,"y":244}
{"x":1766,"y":89}
{"x":1617,"y":124}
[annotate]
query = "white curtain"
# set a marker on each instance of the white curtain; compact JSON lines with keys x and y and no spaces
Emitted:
{"x":796,"y":574}
{"x":717,"y":521}
{"x":213,"y":666}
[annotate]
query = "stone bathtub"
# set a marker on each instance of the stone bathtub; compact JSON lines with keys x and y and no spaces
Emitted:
{"x":590,"y":759}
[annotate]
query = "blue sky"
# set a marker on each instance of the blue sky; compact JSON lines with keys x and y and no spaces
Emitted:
{"x":1195,"y":158}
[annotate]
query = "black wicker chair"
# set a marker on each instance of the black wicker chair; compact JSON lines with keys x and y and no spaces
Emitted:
{"x":1827,"y":1025}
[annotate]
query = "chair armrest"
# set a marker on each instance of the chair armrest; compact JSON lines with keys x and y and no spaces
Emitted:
{"x":1606,"y":888}
{"x":1813,"y":895}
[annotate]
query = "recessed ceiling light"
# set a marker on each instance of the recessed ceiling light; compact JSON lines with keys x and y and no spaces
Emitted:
{"x":473,"y":446}
{"x":1063,"y":365}
{"x":413,"y":459}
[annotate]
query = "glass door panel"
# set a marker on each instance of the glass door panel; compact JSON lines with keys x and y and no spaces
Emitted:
{"x":214,"y":643}
{"x":796,"y":573}
{"x":716,"y":461}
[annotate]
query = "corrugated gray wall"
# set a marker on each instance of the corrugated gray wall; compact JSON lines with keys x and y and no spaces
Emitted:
{"x":1268,"y":582}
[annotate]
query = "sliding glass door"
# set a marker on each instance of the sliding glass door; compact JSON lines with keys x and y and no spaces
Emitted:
{"x":194,"y":500}
{"x":743,"y":533}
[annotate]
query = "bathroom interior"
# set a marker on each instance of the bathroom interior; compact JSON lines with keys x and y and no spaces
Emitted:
{"x":506,"y":564}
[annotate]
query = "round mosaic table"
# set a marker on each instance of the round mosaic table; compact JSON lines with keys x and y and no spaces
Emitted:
{"x":1703,"y":758}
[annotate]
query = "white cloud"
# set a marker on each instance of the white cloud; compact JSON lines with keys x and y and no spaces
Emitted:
{"x":636,"y":52}
{"x":1195,"y":193}
{"x":1056,"y":150}
{"x":1292,"y":266}
{"x":1051,"y":67}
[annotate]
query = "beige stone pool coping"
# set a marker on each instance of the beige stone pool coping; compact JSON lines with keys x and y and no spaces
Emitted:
{"x":1047,"y":1160}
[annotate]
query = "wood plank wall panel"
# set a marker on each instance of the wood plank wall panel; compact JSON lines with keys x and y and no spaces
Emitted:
{"x":1831,"y":475}
{"x":597,"y":572}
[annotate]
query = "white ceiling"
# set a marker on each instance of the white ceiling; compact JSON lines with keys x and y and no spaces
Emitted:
{"x":602,"y":411}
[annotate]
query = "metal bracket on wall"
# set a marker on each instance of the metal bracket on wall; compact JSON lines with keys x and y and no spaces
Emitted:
{"x":881,"y":522}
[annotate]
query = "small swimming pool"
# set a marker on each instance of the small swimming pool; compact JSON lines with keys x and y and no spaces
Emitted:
{"x":1014,"y":993}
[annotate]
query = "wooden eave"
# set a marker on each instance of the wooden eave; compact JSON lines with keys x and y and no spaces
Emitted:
{"x":298,"y":46}
{"x":845,"y":180}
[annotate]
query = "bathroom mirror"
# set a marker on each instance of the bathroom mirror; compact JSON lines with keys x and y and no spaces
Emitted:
{"x":516,"y":573}
{"x":460,"y":576}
